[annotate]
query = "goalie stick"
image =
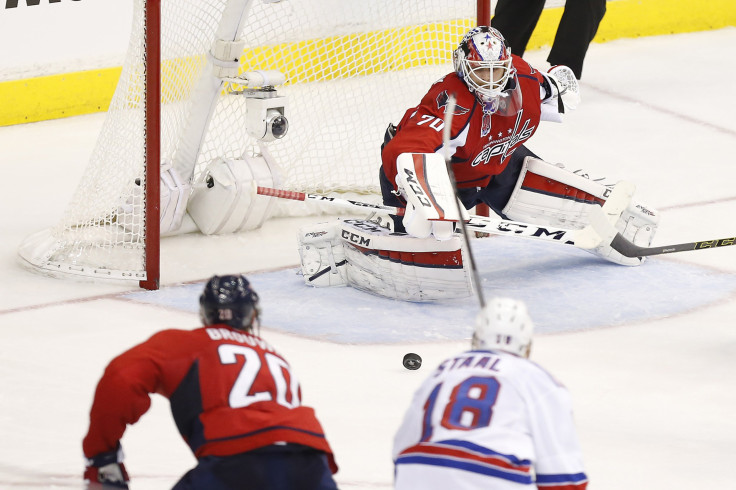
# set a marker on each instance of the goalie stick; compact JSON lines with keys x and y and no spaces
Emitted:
{"x":625,"y":247}
{"x":587,"y":238}
{"x":449,"y":110}
{"x":605,"y":228}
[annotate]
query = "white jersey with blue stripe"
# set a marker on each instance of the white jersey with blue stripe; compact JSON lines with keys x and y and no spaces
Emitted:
{"x":494,"y":418}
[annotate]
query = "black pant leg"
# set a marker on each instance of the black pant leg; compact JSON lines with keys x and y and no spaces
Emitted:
{"x":516,"y":20}
{"x":391,"y":199}
{"x":286,"y":467}
{"x":579,"y":23}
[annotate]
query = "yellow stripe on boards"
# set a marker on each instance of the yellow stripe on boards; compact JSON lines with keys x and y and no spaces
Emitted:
{"x":638,"y":18}
{"x":71,"y":94}
{"x":346,"y":56}
{"x":56,"y":96}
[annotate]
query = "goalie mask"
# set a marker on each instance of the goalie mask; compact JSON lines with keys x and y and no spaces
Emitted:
{"x":229,"y":300}
{"x":504,"y":324}
{"x":483,"y":62}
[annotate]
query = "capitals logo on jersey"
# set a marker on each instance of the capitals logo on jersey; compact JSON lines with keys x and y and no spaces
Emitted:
{"x":506,"y":143}
{"x":442,"y":101}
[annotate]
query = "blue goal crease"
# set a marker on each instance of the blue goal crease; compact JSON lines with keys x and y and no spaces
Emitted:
{"x":565,"y":289}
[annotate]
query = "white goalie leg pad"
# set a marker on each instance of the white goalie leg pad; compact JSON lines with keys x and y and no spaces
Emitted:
{"x":174,"y":198}
{"x":638,"y":224}
{"x":547,"y":194}
{"x":423,"y":180}
{"x":550,"y":195}
{"x":322,"y":255}
{"x":399,"y":266}
{"x":174,"y":195}
{"x":225,"y":200}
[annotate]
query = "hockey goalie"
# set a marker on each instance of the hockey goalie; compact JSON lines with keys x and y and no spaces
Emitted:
{"x":500,"y":101}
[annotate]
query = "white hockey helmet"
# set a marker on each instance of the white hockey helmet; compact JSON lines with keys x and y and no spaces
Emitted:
{"x":504,"y":324}
{"x":483,"y":62}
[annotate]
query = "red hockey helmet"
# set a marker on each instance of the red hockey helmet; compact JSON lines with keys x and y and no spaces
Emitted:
{"x":483,"y":62}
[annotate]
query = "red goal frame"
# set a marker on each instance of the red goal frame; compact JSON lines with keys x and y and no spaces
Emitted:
{"x":153,"y":136}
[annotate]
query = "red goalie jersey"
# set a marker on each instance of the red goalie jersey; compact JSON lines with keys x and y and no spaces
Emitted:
{"x":481,"y":143}
{"x":230,"y":393}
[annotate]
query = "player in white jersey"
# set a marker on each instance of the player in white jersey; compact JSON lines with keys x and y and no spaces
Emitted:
{"x":490,"y":418}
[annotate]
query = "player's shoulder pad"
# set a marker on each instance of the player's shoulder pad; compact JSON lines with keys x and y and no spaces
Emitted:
{"x":438,"y":96}
{"x":171,"y":336}
{"x":522,"y":67}
{"x":526,"y":71}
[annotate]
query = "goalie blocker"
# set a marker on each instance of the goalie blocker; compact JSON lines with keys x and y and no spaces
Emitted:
{"x":371,"y":258}
{"x":422,"y":180}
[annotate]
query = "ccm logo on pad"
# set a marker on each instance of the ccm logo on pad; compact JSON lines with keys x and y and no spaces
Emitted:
{"x":355,"y":238}
{"x":414,"y":184}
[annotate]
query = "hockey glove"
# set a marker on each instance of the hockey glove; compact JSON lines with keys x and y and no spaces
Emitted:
{"x":106,"y":470}
{"x":423,"y":181}
{"x":566,"y":86}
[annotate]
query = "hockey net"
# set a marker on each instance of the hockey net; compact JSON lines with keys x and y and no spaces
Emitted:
{"x":351,"y":68}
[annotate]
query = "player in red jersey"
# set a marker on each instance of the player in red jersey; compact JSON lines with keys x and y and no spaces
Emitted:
{"x":500,"y":101}
{"x":234,"y":399}
{"x":492,"y":120}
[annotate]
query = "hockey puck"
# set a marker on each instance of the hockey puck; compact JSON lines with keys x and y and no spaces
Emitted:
{"x":412,"y":361}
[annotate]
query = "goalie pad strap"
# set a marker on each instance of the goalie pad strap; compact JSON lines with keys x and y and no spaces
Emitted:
{"x":452,"y":259}
{"x":562,"y":178}
{"x":544,"y":185}
{"x":322,"y":255}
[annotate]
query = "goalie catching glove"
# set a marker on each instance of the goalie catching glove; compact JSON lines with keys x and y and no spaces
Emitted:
{"x":423,"y":181}
{"x":561,"y":92}
{"x":106,"y":470}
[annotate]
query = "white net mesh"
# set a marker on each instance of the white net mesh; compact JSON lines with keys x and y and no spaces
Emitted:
{"x":351,"y":68}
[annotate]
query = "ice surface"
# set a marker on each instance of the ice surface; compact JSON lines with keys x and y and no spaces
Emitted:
{"x":648,"y":353}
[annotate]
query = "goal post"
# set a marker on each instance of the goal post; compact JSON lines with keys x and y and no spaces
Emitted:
{"x":483,"y":12}
{"x":152,"y":242}
{"x":197,"y":75}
